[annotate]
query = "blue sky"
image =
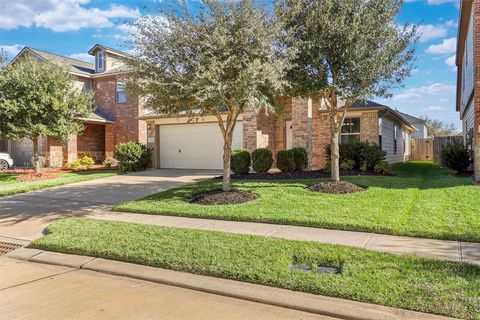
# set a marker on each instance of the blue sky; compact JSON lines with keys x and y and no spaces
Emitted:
{"x":71,"y":27}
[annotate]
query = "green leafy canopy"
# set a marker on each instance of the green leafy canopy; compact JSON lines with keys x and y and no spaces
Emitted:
{"x":40,"y":99}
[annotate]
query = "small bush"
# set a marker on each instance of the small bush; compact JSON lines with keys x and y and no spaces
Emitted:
{"x":328,"y":167}
{"x":364,"y":167}
{"x":360,"y":152}
{"x":262,"y":160}
{"x":133,"y":156}
{"x":240,"y":161}
{"x":74,"y":165}
{"x":382,"y":168}
{"x":347,"y":165}
{"x":456,"y":156}
{"x":285,"y":161}
{"x":87,"y":161}
{"x":300,"y":157}
{"x":108,"y":163}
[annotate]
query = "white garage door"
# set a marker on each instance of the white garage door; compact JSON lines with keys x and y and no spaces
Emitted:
{"x":195,"y":146}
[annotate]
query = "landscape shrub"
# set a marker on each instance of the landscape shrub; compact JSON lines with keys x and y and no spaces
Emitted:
{"x":382,"y":167}
{"x":240,"y":161}
{"x":364,"y":167}
{"x":327,"y":168}
{"x":347,"y":165}
{"x":74,"y":165}
{"x":262,"y":160}
{"x":285,"y":161}
{"x":87,"y":161}
{"x":361,"y":152}
{"x":110,"y":162}
{"x":300,"y":158}
{"x":456,"y":156}
{"x":133,"y":156}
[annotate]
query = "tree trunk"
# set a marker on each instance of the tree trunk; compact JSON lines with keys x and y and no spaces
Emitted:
{"x":36,"y":162}
{"x":227,"y":153}
{"x":335,"y":156}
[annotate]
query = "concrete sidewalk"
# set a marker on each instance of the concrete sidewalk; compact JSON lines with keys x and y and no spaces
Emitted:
{"x":430,"y":248}
{"x":299,"y":304}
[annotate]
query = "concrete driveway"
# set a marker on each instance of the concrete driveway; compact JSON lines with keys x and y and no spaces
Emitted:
{"x":25,"y":216}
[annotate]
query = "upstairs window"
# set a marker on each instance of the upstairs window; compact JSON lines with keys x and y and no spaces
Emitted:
{"x":395,"y":140}
{"x":121,"y":95}
{"x":100,"y":60}
{"x":350,"y":131}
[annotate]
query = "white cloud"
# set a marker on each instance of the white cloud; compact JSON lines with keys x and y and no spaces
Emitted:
{"x":429,"y":31}
{"x":432,"y":109}
{"x":11,"y":51}
{"x":447,"y":46}
{"x":418,"y":93}
{"x":83,"y":57}
{"x":60,"y":15}
{"x":450,"y":61}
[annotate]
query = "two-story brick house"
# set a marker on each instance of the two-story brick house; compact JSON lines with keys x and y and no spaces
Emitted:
{"x":114,"y":120}
{"x":468,"y":76}
{"x":180,"y":142}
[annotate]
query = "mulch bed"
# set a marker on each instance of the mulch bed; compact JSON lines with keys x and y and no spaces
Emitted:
{"x":32,"y":176}
{"x":332,"y":187}
{"x":297,"y":175}
{"x":224,"y":197}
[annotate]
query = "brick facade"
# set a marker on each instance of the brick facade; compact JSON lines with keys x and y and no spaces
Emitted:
{"x":91,"y":141}
{"x":476,"y":50}
{"x":369,"y":126}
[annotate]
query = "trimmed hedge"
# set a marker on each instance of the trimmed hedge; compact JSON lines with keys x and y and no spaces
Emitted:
{"x":285,"y":161}
{"x":363,"y":153}
{"x":240,"y":161}
{"x":300,"y":158}
{"x":262,"y":160}
{"x":133,"y":156}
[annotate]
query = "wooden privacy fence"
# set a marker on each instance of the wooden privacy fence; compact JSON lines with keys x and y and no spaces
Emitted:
{"x":430,"y":149}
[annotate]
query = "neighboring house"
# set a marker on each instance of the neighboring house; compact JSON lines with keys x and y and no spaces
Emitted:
{"x":468,"y":80}
{"x":113,"y":121}
{"x":180,"y":142}
{"x":419,"y":124}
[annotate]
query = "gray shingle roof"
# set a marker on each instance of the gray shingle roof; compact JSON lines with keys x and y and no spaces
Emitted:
{"x":74,"y":65}
{"x":411,"y":118}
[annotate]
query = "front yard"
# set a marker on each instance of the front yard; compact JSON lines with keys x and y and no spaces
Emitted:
{"x":9,"y":184}
{"x":422,"y":200}
{"x":408,"y":282}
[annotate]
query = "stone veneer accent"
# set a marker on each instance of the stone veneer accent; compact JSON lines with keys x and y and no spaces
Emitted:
{"x":369,"y":126}
{"x":476,"y":49}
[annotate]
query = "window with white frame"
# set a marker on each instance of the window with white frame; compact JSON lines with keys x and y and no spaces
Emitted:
{"x":100,"y":60}
{"x":121,"y":95}
{"x":350,"y":131}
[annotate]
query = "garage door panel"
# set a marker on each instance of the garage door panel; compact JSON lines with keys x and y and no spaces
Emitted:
{"x":194,"y":146}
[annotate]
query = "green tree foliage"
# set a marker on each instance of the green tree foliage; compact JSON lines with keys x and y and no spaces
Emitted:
{"x":219,"y":62}
{"x":40,"y":100}
{"x":348,"y":50}
{"x":437,"y":128}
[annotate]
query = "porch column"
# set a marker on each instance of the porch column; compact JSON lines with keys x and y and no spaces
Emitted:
{"x":369,"y":126}
{"x":302,"y":113}
{"x":110,"y":140}
{"x":71,"y":148}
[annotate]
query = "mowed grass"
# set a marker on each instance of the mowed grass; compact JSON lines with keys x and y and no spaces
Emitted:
{"x":408,"y":282}
{"x":9,"y":184}
{"x":421,"y":200}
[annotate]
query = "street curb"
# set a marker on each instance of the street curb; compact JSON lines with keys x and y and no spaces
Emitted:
{"x":317,"y":304}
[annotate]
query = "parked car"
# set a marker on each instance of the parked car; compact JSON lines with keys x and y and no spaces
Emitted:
{"x":5,"y":161}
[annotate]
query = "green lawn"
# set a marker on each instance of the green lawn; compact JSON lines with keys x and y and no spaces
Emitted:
{"x":422,"y":200}
{"x":9,"y":184}
{"x":408,"y":282}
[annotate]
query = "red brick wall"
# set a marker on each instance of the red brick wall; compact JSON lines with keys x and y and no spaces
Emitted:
{"x":128,"y":127}
{"x":92,"y":141}
{"x":476,"y":48}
